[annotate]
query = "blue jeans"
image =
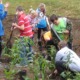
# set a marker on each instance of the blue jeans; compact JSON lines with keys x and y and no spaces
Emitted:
{"x":25,"y":52}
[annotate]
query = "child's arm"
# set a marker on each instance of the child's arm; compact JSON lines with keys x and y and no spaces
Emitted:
{"x":5,"y":11}
{"x":0,"y":1}
{"x":4,"y":15}
{"x":17,"y":26}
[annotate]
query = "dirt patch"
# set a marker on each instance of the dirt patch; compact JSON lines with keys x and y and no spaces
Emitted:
{"x":7,"y":27}
{"x":75,"y":31}
{"x":76,"y":35}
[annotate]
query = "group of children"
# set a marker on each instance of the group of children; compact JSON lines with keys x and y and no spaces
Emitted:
{"x":36,"y":21}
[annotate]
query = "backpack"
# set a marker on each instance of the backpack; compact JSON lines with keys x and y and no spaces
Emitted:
{"x":42,"y":21}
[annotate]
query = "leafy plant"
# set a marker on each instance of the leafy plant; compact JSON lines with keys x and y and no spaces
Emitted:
{"x":26,"y":78}
{"x":67,"y":74}
{"x":52,"y":53}
{"x":20,"y":45}
{"x":77,"y":76}
{"x":10,"y":72}
{"x":39,"y":67}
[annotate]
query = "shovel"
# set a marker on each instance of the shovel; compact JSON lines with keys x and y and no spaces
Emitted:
{"x":9,"y":44}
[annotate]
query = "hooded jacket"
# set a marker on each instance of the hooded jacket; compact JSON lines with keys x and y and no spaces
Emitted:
{"x":3,"y":14}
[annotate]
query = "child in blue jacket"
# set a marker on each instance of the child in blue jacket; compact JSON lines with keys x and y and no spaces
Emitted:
{"x":3,"y":14}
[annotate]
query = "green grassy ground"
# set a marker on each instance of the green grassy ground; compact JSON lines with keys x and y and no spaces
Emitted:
{"x":68,"y":8}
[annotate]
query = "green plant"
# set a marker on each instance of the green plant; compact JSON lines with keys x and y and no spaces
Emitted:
{"x":52,"y":53}
{"x":77,"y":76}
{"x":20,"y":46}
{"x":26,"y":78}
{"x":9,"y":72}
{"x":67,"y":74}
{"x":43,"y":66}
{"x":39,"y":67}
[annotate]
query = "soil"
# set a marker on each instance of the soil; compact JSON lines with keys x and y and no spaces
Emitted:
{"x":75,"y":31}
{"x":76,"y":35}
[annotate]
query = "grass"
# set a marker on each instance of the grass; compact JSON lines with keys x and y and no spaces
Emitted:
{"x":68,"y":8}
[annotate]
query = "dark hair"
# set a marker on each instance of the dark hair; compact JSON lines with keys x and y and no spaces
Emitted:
{"x":62,"y":44}
{"x":19,"y":8}
{"x":53,"y":17}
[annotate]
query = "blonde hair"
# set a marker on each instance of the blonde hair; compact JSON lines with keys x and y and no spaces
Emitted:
{"x":33,"y":12}
{"x":42,"y":5}
{"x":30,"y":10}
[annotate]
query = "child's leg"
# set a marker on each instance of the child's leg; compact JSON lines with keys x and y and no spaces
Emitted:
{"x":30,"y":53}
{"x":39,"y":33}
{"x":39,"y":38}
{"x":60,"y":66}
{"x":69,"y":45}
{"x":24,"y":60}
{"x":45,"y":29}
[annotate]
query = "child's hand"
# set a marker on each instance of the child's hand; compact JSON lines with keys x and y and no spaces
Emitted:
{"x":66,"y":32}
{"x":0,"y":1}
{"x":12,"y":28}
{"x":55,"y":72}
{"x":14,"y":24}
{"x":6,"y":5}
{"x":33,"y":25}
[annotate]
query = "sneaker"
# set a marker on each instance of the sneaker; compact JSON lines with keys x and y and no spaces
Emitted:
{"x":35,"y":53}
{"x":25,"y":65}
{"x":18,"y":65}
{"x":30,"y":61}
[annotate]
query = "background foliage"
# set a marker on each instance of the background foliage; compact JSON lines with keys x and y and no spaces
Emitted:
{"x":68,"y":8}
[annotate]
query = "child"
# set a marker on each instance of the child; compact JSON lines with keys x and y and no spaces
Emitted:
{"x":23,"y":23}
{"x":42,"y":8}
{"x":42,"y":22}
{"x":63,"y":28}
{"x":3,"y":14}
{"x":66,"y":59}
{"x":33,"y":19}
{"x":25,"y":30}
